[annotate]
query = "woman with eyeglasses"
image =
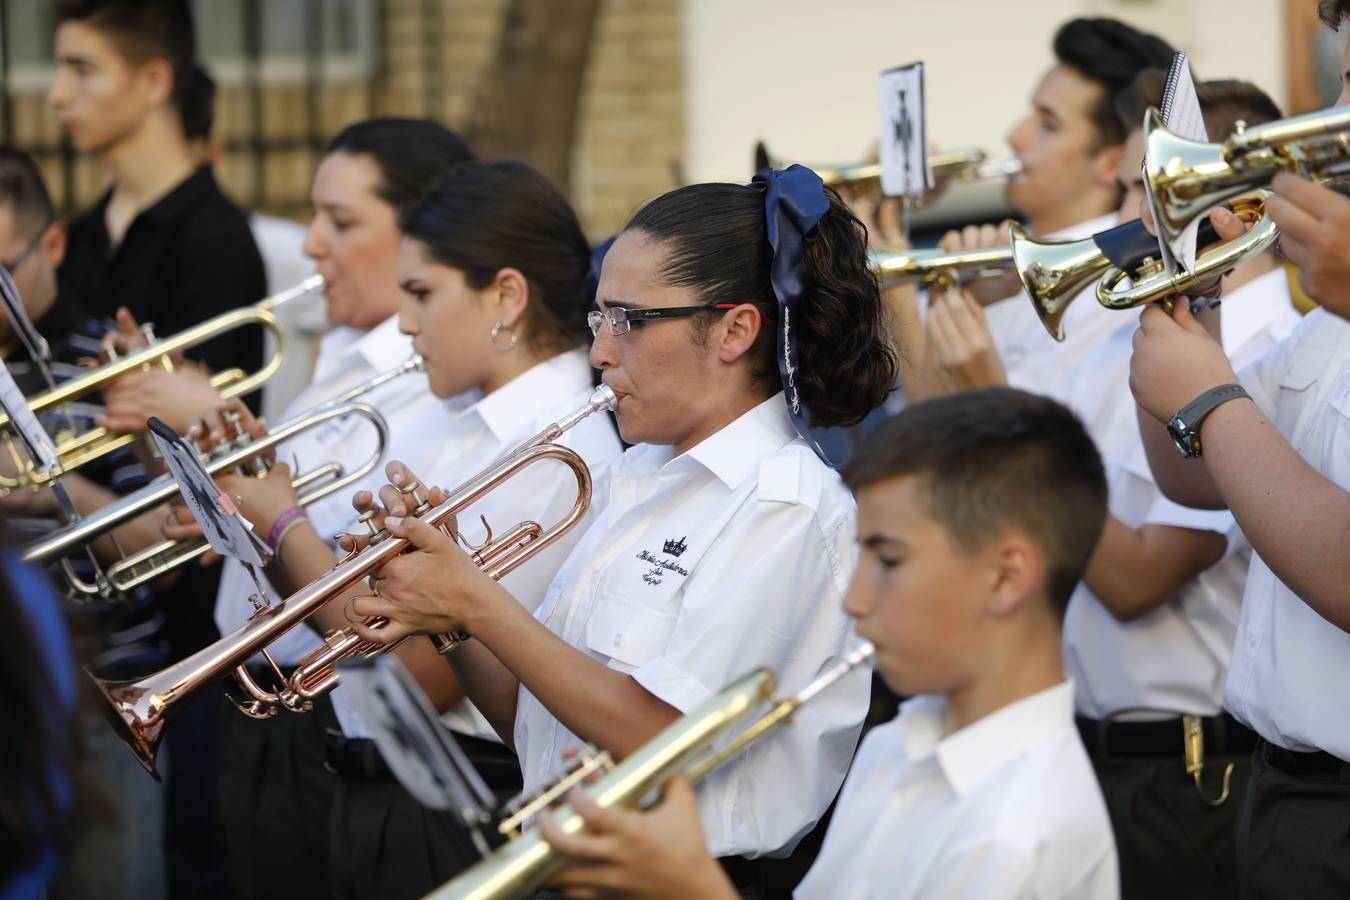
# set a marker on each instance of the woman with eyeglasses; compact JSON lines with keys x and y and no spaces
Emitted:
{"x":727,"y":318}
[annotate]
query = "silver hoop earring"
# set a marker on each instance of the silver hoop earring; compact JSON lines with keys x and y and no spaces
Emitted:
{"x":497,"y":329}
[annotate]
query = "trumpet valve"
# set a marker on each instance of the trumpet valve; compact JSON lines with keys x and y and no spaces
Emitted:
{"x":420,"y":503}
{"x":376,"y":535}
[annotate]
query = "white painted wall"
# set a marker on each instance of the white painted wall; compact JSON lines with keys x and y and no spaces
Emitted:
{"x":801,"y":74}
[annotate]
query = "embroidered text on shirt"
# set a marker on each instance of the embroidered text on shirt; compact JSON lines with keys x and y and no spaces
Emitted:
{"x":659,"y":568}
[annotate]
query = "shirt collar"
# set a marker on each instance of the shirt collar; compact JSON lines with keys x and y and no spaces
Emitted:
{"x":514,"y":408}
{"x":977,"y":751}
{"x":382,"y":347}
{"x":734,"y":452}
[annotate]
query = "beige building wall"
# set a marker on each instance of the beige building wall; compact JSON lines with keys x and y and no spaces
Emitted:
{"x":802,"y":73}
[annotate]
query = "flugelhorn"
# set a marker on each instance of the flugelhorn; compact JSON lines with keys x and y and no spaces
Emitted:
{"x":139,"y":710}
{"x":1187,"y":179}
{"x":1055,"y":273}
{"x":938,"y":268}
{"x":239,"y":454}
{"x":525,"y":862}
{"x":75,"y":450}
{"x":963,"y":165}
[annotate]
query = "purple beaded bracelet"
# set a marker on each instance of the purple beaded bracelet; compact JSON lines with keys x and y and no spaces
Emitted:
{"x":282,"y":525}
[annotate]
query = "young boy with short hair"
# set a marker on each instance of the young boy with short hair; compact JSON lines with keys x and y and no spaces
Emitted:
{"x":977,"y":514}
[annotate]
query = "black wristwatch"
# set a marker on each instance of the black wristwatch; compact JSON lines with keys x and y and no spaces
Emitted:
{"x":1185,"y":425}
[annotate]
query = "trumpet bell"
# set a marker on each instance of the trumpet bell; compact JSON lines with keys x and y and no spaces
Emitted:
{"x":1054,"y":273}
{"x":135,"y":717}
{"x":1188,"y":178}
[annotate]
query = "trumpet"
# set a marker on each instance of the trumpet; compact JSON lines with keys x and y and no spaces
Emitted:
{"x":1055,"y":273}
{"x":525,"y":862}
{"x":139,"y":710}
{"x":963,"y":165}
{"x":1187,"y":179}
{"x":74,"y":450}
{"x":237,"y":455}
{"x":938,"y":268}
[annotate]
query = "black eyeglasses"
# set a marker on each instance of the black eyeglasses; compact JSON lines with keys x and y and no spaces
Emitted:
{"x":12,"y":265}
{"x":618,"y":321}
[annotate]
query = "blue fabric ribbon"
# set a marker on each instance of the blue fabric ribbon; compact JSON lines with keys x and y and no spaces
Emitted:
{"x":794,"y":202}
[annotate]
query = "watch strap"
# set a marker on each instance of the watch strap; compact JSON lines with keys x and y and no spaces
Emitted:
{"x":1185,"y":425}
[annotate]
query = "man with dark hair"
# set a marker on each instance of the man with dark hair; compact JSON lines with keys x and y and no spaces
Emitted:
{"x":1270,"y":441}
{"x":976,"y":516}
{"x":163,"y":246}
{"x":163,"y":243}
{"x":1069,"y":143}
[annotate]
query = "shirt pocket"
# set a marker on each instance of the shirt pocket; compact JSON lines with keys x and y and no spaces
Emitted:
{"x":629,"y":633}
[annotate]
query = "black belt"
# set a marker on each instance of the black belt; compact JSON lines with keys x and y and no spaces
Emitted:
{"x":360,"y":758}
{"x":1105,"y":739}
{"x":1318,"y":762}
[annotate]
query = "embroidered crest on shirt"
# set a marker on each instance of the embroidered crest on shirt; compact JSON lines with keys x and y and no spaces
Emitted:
{"x":662,"y":567}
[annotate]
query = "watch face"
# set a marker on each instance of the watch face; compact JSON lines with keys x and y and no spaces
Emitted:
{"x":1185,"y":441}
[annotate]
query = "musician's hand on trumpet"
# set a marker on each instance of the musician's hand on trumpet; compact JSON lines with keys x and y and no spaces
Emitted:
{"x":961,"y":350}
{"x":655,"y":854}
{"x":434,"y":588}
{"x":1314,"y":223}
{"x":982,"y":237}
{"x":177,"y":397}
{"x":1175,"y":360}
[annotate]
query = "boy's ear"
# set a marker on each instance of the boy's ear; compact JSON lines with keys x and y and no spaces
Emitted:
{"x":1016,"y":574}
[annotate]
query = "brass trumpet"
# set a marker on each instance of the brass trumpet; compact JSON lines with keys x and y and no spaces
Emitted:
{"x":938,"y":268}
{"x":238,"y":455}
{"x":964,"y":165}
{"x":1187,"y":178}
{"x":75,"y":450}
{"x":139,"y":710}
{"x":526,"y":861}
{"x":1055,"y":273}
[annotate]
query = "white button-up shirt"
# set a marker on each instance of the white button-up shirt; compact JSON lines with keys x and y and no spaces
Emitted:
{"x":700,"y":568}
{"x":417,"y":420}
{"x":1290,"y":675}
{"x":1033,"y":359}
{"x":1007,"y":807}
{"x":544,"y":492}
{"x":1175,"y":658}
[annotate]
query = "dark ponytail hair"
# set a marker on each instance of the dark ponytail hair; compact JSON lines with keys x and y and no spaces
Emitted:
{"x":484,"y":217}
{"x":718,"y":247}
{"x":411,"y":154}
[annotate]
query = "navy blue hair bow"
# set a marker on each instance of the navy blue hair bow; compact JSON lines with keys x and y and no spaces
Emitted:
{"x":794,"y":202}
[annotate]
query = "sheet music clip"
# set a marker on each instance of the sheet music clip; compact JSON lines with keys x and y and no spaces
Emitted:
{"x":421,"y":752}
{"x":903,"y":149}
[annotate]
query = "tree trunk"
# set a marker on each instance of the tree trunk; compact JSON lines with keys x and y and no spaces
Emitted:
{"x":527,"y":104}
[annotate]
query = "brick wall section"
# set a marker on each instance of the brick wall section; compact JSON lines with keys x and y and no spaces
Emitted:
{"x":629,"y":140}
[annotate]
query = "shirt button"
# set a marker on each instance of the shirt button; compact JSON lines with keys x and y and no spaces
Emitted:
{"x":618,"y":640}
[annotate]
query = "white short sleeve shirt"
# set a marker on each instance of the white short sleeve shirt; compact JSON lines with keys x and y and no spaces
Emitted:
{"x":1007,"y":807}
{"x":1290,"y":675}
{"x":1173,"y":660}
{"x":700,"y":568}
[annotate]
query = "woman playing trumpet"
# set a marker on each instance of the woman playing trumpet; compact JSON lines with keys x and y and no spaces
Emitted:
{"x":491,"y":272}
{"x":723,"y":542}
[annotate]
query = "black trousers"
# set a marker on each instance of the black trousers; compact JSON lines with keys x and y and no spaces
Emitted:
{"x":275,"y":801}
{"x":383,"y":843}
{"x":1170,"y":842}
{"x":1293,"y":833}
